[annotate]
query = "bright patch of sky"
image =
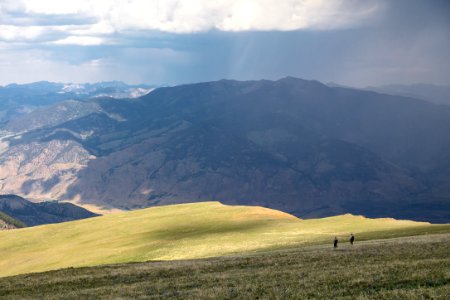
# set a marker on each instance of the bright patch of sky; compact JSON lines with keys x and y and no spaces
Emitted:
{"x":172,"y":41}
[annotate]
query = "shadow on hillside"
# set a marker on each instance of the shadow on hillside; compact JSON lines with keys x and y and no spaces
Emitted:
{"x":200,"y":230}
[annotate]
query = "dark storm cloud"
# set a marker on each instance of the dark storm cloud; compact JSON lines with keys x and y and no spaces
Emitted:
{"x":394,"y":42}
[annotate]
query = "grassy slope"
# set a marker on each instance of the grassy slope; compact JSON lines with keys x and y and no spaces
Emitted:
{"x":11,"y":221}
{"x":180,"y":232}
{"x":401,"y":268}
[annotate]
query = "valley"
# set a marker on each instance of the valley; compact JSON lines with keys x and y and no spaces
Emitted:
{"x":233,"y":149}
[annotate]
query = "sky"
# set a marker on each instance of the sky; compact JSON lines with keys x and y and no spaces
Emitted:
{"x":168,"y":42}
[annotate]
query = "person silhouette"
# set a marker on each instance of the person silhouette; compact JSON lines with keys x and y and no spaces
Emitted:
{"x":335,"y":242}
{"x":352,"y":238}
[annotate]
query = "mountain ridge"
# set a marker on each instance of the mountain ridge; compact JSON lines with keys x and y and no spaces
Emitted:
{"x":292,"y":144}
{"x":32,"y":214}
{"x":438,"y":94}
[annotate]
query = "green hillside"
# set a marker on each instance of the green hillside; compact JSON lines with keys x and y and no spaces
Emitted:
{"x":8,"y":221}
{"x":400,"y":268}
{"x":181,"y":232}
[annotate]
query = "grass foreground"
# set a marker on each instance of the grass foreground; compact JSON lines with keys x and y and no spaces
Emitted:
{"x":186,"y":231}
{"x":400,"y":268}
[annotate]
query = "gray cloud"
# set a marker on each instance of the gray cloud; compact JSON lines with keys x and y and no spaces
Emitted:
{"x":350,"y":42}
{"x":84,"y":20}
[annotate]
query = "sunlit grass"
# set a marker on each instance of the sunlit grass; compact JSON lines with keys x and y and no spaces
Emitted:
{"x":401,"y":268}
{"x":181,"y":232}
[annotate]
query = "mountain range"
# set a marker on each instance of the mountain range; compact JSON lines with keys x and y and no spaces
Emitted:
{"x":19,"y":212}
{"x":295,"y":145}
{"x":18,"y":99}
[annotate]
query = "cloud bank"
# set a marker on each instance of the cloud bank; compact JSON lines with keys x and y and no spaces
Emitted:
{"x":92,"y":22}
{"x":351,"y":42}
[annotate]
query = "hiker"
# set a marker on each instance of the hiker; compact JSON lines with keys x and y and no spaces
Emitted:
{"x":352,"y":238}
{"x":335,"y":242}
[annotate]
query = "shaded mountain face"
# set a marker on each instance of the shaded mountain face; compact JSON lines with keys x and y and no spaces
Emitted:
{"x":294,"y":145}
{"x":32,"y":214}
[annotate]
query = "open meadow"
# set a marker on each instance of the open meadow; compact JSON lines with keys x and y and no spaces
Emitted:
{"x":400,"y":268}
{"x":185,"y":231}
